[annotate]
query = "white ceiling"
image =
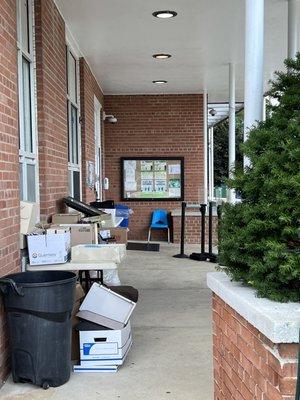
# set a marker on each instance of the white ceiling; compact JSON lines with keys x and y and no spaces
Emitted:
{"x":118,"y":38}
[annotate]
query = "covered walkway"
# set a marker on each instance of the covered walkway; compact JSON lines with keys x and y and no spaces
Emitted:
{"x":171,"y":355}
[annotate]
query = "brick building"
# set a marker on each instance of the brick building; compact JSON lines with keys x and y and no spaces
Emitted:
{"x":52,"y":134}
{"x":48,"y":101}
{"x":51,"y":113}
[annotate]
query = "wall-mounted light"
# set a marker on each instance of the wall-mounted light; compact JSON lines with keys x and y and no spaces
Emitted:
{"x":109,"y":118}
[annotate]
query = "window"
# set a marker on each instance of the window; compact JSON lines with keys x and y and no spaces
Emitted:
{"x":27,"y":125}
{"x":73,"y":127}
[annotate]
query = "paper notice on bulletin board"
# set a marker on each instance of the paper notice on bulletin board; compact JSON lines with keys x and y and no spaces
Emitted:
{"x":160,"y":185}
{"x":147,"y":185}
{"x":130,"y":170}
{"x":160,"y":166}
{"x":146,"y":165}
{"x":130,"y":176}
{"x":174,"y":192}
{"x":174,"y":169}
{"x":130,"y":186}
{"x":90,"y":174}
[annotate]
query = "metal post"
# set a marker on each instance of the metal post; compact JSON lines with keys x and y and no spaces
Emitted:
{"x":293,"y":25}
{"x":210,"y":227}
{"x":254,"y":65}
{"x":211,"y":163}
{"x":231,"y":140}
{"x":182,"y":232}
{"x":205,"y":133}
{"x":203,"y":212}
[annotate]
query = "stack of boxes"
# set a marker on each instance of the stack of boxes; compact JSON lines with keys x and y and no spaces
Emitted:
{"x":51,"y":244}
{"x":104,"y":333}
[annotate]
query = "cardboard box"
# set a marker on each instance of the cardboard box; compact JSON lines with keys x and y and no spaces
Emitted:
{"x":49,"y":247}
{"x":28,"y":219}
{"x":105,"y":307}
{"x":81,"y":233}
{"x":98,"y":252}
{"x":79,"y":296}
{"x":103,"y":347}
{"x":71,"y":218}
{"x":119,"y":234}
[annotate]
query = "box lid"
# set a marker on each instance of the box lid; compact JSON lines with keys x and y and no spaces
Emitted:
{"x":105,"y":307}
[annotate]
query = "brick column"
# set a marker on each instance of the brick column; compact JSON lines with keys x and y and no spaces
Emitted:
{"x":51,"y":105}
{"x":88,"y":89}
{"x":9,"y":160}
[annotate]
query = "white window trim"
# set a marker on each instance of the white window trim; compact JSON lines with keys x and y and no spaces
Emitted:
{"x":26,"y":157}
{"x":98,"y":145}
{"x":72,"y":166}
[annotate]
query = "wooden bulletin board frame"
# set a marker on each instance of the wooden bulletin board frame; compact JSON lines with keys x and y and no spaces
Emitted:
{"x":145,"y":198}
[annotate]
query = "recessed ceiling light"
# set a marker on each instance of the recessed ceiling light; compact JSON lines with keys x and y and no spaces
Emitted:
{"x":161,"y":56}
{"x":160,"y":81}
{"x":164,"y":14}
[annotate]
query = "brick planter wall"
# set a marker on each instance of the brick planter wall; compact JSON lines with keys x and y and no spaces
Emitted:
{"x":247,"y":365}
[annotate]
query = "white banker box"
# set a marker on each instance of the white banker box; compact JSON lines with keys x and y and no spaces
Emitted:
{"x":98,"y":252}
{"x":104,"y":347}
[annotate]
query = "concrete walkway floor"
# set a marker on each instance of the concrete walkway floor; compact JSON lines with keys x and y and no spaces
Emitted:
{"x":171,"y":356}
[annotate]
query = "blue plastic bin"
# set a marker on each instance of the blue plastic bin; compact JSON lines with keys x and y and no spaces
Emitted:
{"x":123,"y":212}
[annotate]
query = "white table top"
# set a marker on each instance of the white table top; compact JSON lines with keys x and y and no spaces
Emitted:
{"x":72,"y":266}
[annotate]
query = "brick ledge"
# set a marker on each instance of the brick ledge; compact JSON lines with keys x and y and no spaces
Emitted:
{"x":279,"y":322}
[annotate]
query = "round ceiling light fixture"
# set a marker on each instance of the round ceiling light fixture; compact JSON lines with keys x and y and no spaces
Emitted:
{"x":161,"y":56}
{"x":164,"y":14}
{"x":160,"y":82}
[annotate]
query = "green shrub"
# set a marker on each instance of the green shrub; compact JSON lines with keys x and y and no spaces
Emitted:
{"x":259,"y":238}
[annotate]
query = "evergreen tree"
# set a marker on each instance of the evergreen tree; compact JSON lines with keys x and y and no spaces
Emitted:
{"x":259,"y":237}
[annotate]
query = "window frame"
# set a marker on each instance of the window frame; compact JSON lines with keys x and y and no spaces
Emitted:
{"x":27,"y":157}
{"x":73,"y":167}
{"x":98,"y":148}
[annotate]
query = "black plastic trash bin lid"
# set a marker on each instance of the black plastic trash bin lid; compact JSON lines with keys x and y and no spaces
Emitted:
{"x":41,"y":278}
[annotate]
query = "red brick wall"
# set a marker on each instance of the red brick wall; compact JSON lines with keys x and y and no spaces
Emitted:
{"x":154,"y":125}
{"x":9,"y":160}
{"x":88,"y":89}
{"x":52,"y":105}
{"x":193,"y":230}
{"x":247,"y":365}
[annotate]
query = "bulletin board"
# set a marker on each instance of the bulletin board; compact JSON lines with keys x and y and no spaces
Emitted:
{"x":152,"y":179}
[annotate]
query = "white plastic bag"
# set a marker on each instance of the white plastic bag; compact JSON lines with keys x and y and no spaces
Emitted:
{"x":111,"y":277}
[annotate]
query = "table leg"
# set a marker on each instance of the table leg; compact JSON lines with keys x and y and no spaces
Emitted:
{"x":87,"y":280}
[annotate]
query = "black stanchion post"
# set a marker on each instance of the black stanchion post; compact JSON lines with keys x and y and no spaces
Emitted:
{"x":206,"y":256}
{"x":210,"y":228}
{"x":182,"y":232}
{"x":203,"y":211}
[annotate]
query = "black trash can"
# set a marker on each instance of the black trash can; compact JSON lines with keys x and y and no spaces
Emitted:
{"x":39,"y":306}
